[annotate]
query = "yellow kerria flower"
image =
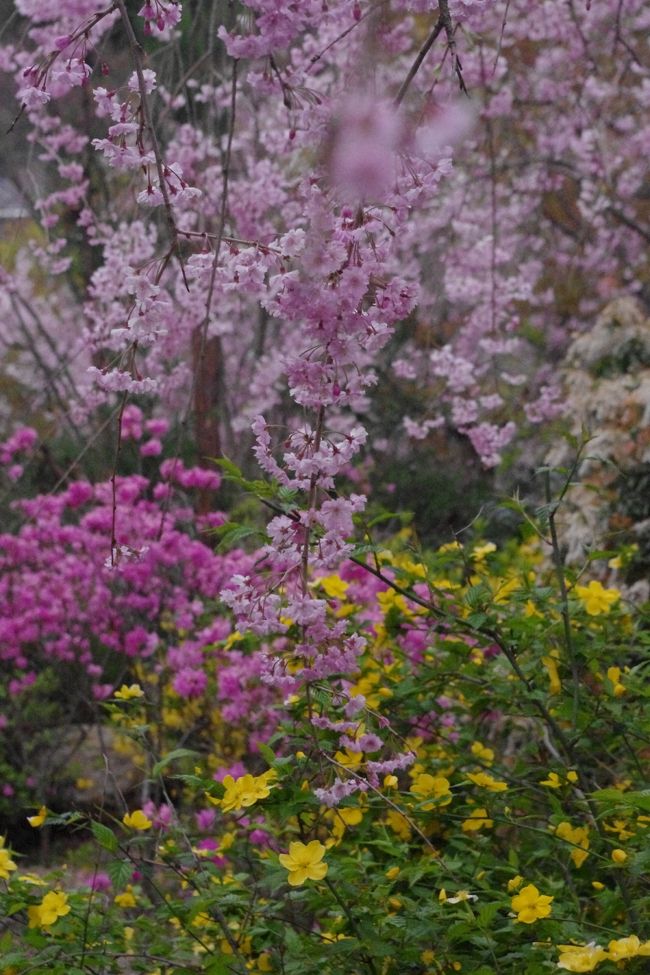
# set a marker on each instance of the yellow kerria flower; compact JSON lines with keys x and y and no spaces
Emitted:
{"x":434,"y":787}
{"x":7,"y":865}
{"x":304,"y":862}
{"x":580,"y":958}
{"x":127,"y":693}
{"x":530,"y":905}
{"x":550,"y":663}
{"x":137,"y":820}
{"x":486,"y":781}
{"x":127,"y":899}
{"x":39,"y":818}
{"x":614,"y":676}
{"x":482,"y":751}
{"x":479,"y":552}
{"x":399,"y":824}
{"x":477,"y":820}
{"x":334,"y":586}
{"x":514,"y":883}
{"x":597,"y":600}
{"x":53,"y":906}
{"x":579,"y":837}
{"x":553,"y":781}
{"x":349,"y":759}
{"x":619,"y":856}
{"x":629,"y":947}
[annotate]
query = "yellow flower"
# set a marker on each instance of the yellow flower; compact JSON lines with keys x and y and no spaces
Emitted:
{"x":580,"y":958}
{"x":614,"y":676}
{"x":349,"y":759}
{"x":579,"y":837}
{"x":553,"y":781}
{"x":392,"y":873}
{"x":7,"y":865}
{"x":621,"y":827}
{"x":390,"y":781}
{"x":596,"y":599}
{"x":53,"y":906}
{"x":555,"y":684}
{"x":596,"y":884}
{"x":572,"y":776}
{"x":303,"y":861}
{"x":480,"y":551}
{"x":334,"y":586}
{"x":531,"y":610}
{"x":246,"y":790}
{"x":127,"y":693}
{"x":514,"y":883}
{"x":477,"y":820}
{"x":629,"y":947}
{"x":619,"y":856}
{"x":486,"y":781}
{"x":39,"y":818}
{"x":126,"y":899}
{"x":137,"y":820}
{"x":482,"y":752}
{"x":399,"y":824}
{"x":530,"y":905}
{"x":434,"y":787}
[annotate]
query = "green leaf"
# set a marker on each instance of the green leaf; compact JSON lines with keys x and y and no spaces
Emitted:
{"x":105,"y":837}
{"x":487,"y":914}
{"x":171,"y":757}
{"x":633,"y":800}
{"x":267,"y":753}
{"x":120,"y":872}
{"x":231,"y":534}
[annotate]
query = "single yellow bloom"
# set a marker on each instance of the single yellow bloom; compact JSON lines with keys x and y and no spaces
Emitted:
{"x":578,"y":836}
{"x":431,"y":787}
{"x":479,"y":552}
{"x":7,"y":865}
{"x":629,"y":947}
{"x":555,"y":684}
{"x":349,"y":759}
{"x":486,"y":781}
{"x":399,"y":824}
{"x":137,"y":820}
{"x":614,"y":676}
{"x":126,"y":899}
{"x":39,"y":818}
{"x":530,"y":905}
{"x":127,"y":693}
{"x":246,"y":790}
{"x":390,"y":781}
{"x":304,"y":862}
{"x":392,"y":873}
{"x":596,"y":884}
{"x":580,"y":958}
{"x":572,"y":776}
{"x":53,"y":906}
{"x":482,"y":752}
{"x":530,"y":609}
{"x":514,"y":883}
{"x":334,"y":586}
{"x":596,"y":599}
{"x":477,"y":820}
{"x":553,"y":781}
{"x":619,"y":856}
